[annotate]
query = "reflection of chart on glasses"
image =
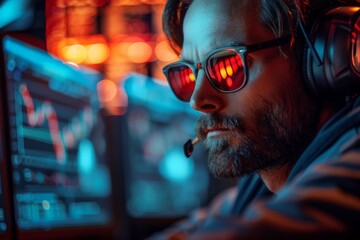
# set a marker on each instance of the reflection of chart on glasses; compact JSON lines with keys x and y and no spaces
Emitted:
{"x":225,"y":68}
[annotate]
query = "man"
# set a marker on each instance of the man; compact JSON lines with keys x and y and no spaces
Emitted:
{"x":296,"y":152}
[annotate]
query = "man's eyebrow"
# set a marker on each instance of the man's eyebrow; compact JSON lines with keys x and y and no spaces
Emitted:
{"x":185,"y":60}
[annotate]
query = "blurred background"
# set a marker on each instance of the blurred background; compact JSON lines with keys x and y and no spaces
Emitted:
{"x":138,"y":181}
{"x":115,"y":37}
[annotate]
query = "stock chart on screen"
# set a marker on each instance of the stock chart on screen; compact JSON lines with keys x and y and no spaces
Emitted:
{"x":57,"y":149}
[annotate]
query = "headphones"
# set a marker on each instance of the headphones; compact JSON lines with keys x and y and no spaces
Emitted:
{"x":332,"y":60}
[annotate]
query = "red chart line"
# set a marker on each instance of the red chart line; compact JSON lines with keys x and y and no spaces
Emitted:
{"x":36,"y":117}
{"x":61,"y":138}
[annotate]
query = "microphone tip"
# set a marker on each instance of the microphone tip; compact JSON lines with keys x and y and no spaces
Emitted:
{"x":189,"y":146}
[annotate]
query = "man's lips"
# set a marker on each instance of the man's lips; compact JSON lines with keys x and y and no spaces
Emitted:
{"x":216,"y":132}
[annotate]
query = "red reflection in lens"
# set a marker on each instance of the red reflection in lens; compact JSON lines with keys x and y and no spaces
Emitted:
{"x":182,"y":82}
{"x":229,"y":82}
{"x":222,"y":70}
{"x":234,"y":65}
{"x":188,"y":72}
{"x":226,"y":71}
{"x":229,"y":69}
{"x":217,"y":72}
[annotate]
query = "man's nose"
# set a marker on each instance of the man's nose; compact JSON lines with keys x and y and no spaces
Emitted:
{"x":205,"y":97}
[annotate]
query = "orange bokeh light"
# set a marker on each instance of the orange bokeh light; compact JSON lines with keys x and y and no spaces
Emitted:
{"x":74,"y":53}
{"x":106,"y":90}
{"x":139,"y":52}
{"x":163,"y":52}
{"x":97,"y":53}
{"x":85,"y":50}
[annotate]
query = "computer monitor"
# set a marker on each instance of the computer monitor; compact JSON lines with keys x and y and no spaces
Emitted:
{"x":54,"y":137}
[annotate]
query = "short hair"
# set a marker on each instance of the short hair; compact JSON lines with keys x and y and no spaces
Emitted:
{"x":280,"y":16}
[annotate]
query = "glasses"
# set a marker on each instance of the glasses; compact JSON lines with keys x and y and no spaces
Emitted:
{"x":224,"y":67}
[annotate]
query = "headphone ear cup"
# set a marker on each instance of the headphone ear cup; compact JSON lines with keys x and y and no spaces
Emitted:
{"x":313,"y":57}
{"x":332,"y":38}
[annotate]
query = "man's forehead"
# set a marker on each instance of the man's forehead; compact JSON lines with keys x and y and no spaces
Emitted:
{"x":218,"y":10}
{"x":229,"y":3}
{"x":220,"y":18}
{"x":230,"y":7}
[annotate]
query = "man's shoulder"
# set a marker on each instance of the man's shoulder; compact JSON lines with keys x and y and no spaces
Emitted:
{"x":339,"y":134}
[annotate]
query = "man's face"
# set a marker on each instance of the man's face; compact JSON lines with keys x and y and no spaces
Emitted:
{"x":266,"y":124}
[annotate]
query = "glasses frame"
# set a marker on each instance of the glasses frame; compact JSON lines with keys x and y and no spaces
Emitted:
{"x":242,"y":50}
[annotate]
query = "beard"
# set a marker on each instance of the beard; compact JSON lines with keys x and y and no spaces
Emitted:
{"x":275,"y":135}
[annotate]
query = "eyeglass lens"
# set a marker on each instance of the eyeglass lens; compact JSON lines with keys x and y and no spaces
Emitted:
{"x":224,"y":68}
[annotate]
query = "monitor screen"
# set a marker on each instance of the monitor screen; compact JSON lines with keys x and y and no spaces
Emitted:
{"x":57,"y":149}
{"x":160,"y":181}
